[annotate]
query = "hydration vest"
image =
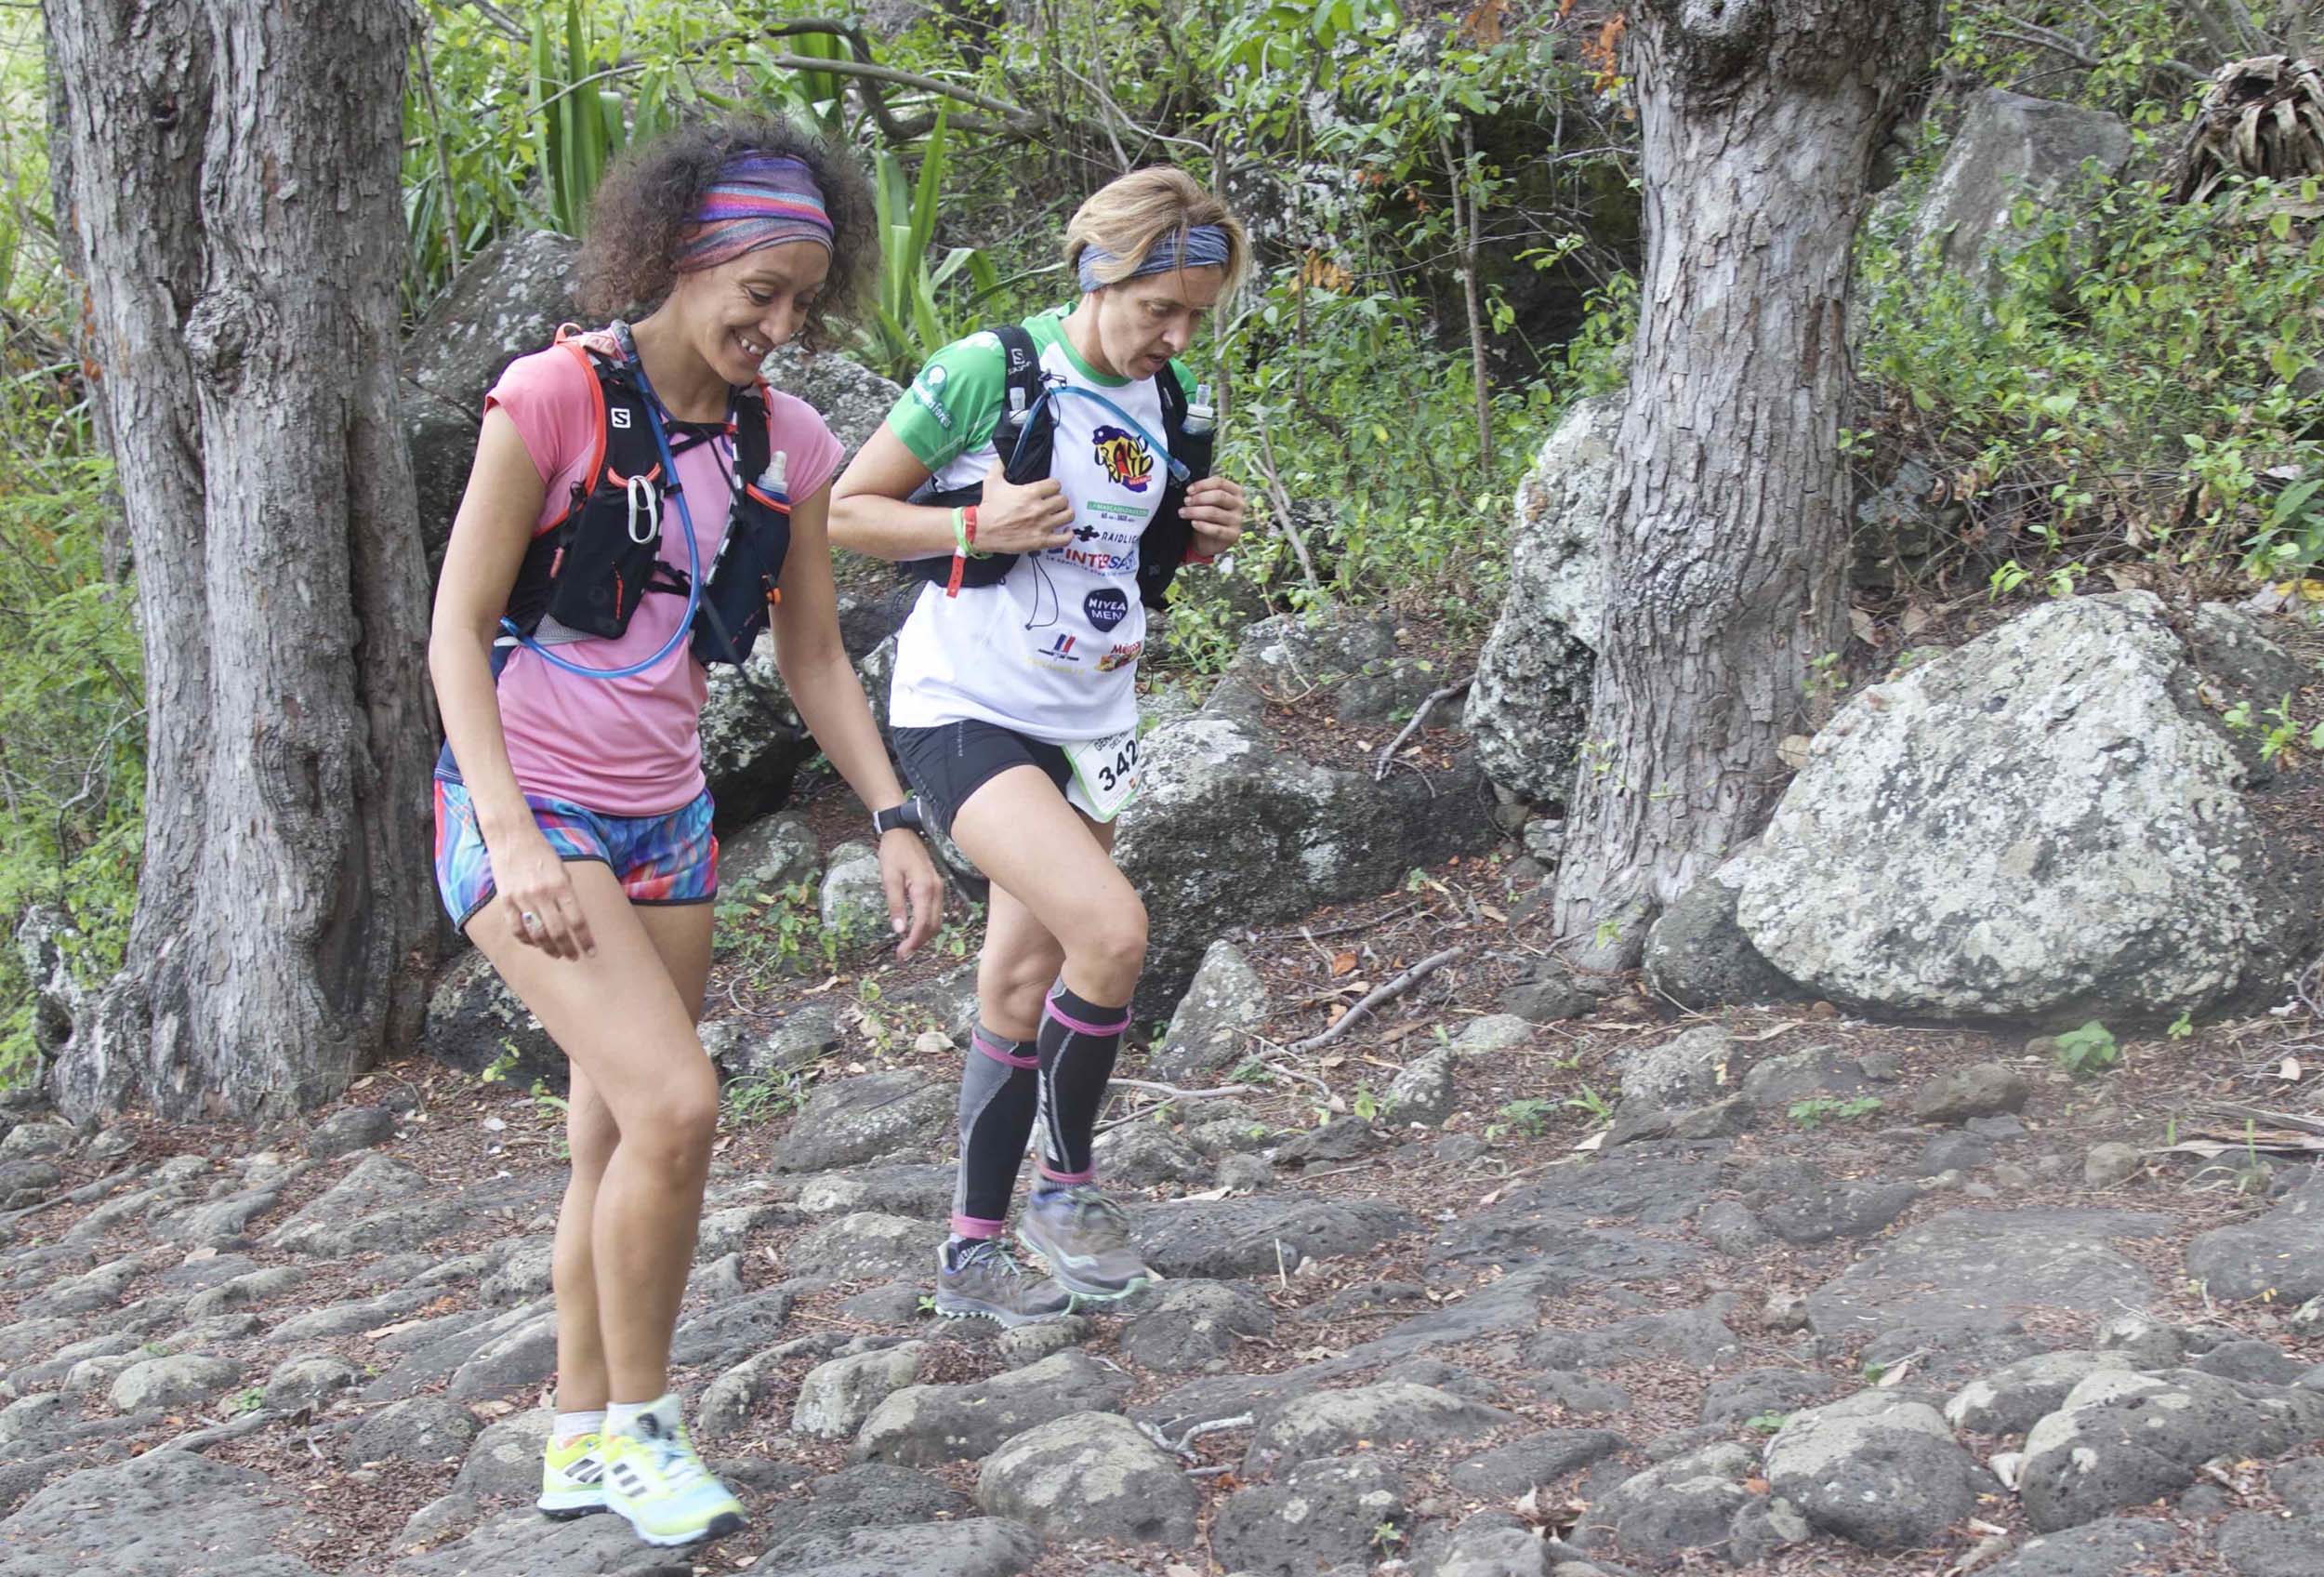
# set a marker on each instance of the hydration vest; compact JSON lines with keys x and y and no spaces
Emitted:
{"x":1025,"y":438}
{"x":587,"y":570}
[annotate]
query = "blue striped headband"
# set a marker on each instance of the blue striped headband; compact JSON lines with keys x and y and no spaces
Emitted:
{"x":1198,"y":246}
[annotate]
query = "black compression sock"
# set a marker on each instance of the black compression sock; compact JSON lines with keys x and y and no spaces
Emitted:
{"x":1078,"y":1044}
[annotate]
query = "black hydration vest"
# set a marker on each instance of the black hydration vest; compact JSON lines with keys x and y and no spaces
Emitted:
{"x":1025,"y":438}
{"x":590,"y":567}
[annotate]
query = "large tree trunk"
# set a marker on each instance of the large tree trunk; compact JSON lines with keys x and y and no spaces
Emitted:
{"x":234,"y":188}
{"x":1726,"y":540}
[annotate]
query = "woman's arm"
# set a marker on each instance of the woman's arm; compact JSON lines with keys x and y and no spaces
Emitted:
{"x":869,"y":516}
{"x":489,"y":537}
{"x":815,"y":670}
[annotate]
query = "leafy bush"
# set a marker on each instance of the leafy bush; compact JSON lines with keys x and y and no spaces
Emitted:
{"x":2143,"y":388}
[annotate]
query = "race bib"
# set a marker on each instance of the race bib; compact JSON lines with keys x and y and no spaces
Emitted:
{"x":1105,"y":774}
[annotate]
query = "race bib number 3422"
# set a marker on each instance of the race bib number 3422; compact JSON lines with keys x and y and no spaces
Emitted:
{"x":1105,"y":773}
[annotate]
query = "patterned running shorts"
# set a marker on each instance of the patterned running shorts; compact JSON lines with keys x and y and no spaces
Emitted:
{"x":671,"y":858}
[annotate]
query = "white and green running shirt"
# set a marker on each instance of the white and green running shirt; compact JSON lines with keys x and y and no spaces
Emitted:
{"x":1051,"y":651}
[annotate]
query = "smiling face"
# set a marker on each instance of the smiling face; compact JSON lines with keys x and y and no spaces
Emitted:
{"x":1143,"y":323}
{"x":734,"y":314}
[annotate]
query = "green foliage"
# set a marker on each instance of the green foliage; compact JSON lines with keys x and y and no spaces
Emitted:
{"x":776,"y":931}
{"x":1767,"y":1422}
{"x":909,"y":325}
{"x":1529,"y":1117}
{"x":1819,"y":1109}
{"x":71,"y":683}
{"x":2090,"y":1049}
{"x":763,"y":1097}
{"x":2140,"y":385}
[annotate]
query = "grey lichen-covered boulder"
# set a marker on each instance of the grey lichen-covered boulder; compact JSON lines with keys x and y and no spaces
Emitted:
{"x":505,"y":302}
{"x":923,"y":1426}
{"x":976,"y":1546}
{"x":176,"y":1381}
{"x":838,"y":1395}
{"x":165,"y":1513}
{"x":872,"y":1117}
{"x":2051,"y":820}
{"x":1322,"y":1516}
{"x":475,"y":1022}
{"x":868,"y":1246}
{"x":1210,"y":1029}
{"x":2279,"y":1257}
{"x":770,"y":855}
{"x":1230,"y":830}
{"x":1529,"y":703}
{"x":1687,"y":1503}
{"x":1321,"y":1424}
{"x":850,"y":398}
{"x":2122,"y":1438}
{"x":1697,"y":956}
{"x":1089,"y":1471}
{"x":753,"y":742}
{"x":2013,"y":1398}
{"x":1177,"y":1327}
{"x":2010,"y":147}
{"x":1964,"y":1268}
{"x":1875,"y":1470}
{"x":852,"y":902}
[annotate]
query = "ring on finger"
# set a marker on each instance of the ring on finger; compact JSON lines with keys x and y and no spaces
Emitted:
{"x":527,"y":918}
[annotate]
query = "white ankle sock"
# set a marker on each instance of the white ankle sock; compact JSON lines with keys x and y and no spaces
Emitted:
{"x":571,"y":1426}
{"x":621,"y":1418}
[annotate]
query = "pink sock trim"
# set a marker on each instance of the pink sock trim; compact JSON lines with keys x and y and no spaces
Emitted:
{"x":1051,"y":1174}
{"x":1081,"y":1027}
{"x":970,"y":1227}
{"x":992,"y":1048}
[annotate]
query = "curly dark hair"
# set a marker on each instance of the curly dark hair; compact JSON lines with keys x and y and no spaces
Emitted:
{"x":642,"y":206}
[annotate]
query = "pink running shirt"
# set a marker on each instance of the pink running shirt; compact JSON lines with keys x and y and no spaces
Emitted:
{"x":623,"y":747}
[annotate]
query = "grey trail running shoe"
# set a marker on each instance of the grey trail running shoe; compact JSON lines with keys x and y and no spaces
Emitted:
{"x":1085,"y":1238}
{"x":978,"y":1280}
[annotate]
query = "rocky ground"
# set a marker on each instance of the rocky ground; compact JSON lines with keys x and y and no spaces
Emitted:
{"x":1520,"y":1274}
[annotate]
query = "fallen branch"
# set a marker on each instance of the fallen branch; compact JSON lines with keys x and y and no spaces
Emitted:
{"x":1388,"y":752}
{"x":1174,"y":1093}
{"x":1387,"y":993}
{"x":248,"y":1423}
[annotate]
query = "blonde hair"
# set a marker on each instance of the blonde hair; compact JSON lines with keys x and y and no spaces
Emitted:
{"x":1129,"y":217}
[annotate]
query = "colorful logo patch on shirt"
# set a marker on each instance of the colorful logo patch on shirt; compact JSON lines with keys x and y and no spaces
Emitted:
{"x":1058,"y":650}
{"x":1122,"y":656}
{"x":1124,"y":456}
{"x":1106,"y":607}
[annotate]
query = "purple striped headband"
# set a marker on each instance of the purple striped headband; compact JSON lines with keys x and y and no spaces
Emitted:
{"x":758,"y":200}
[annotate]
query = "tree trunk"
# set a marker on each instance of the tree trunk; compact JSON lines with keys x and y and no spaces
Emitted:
{"x":1727,"y":533}
{"x":233,"y":187}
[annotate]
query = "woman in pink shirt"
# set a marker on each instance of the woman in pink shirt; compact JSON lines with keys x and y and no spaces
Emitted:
{"x":641,"y":503}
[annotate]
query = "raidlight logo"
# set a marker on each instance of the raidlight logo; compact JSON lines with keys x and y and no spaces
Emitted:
{"x":1060,"y":650}
{"x":1124,"y":457}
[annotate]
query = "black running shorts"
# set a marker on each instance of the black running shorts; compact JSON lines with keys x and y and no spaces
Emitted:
{"x":951,"y":760}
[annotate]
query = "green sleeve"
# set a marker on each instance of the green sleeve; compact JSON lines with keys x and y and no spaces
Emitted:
{"x":1185,"y":377}
{"x":954,"y":404}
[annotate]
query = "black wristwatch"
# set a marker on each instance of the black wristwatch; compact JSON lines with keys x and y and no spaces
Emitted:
{"x":904,"y":814}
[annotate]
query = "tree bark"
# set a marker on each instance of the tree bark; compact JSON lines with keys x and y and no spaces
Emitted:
{"x":234,"y":188}
{"x":1726,"y":541}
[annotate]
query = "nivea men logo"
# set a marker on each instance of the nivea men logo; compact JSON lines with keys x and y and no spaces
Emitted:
{"x":1106,"y":607}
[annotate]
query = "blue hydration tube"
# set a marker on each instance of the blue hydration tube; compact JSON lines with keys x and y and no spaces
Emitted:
{"x":1177,"y":466}
{"x":655,"y":412}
